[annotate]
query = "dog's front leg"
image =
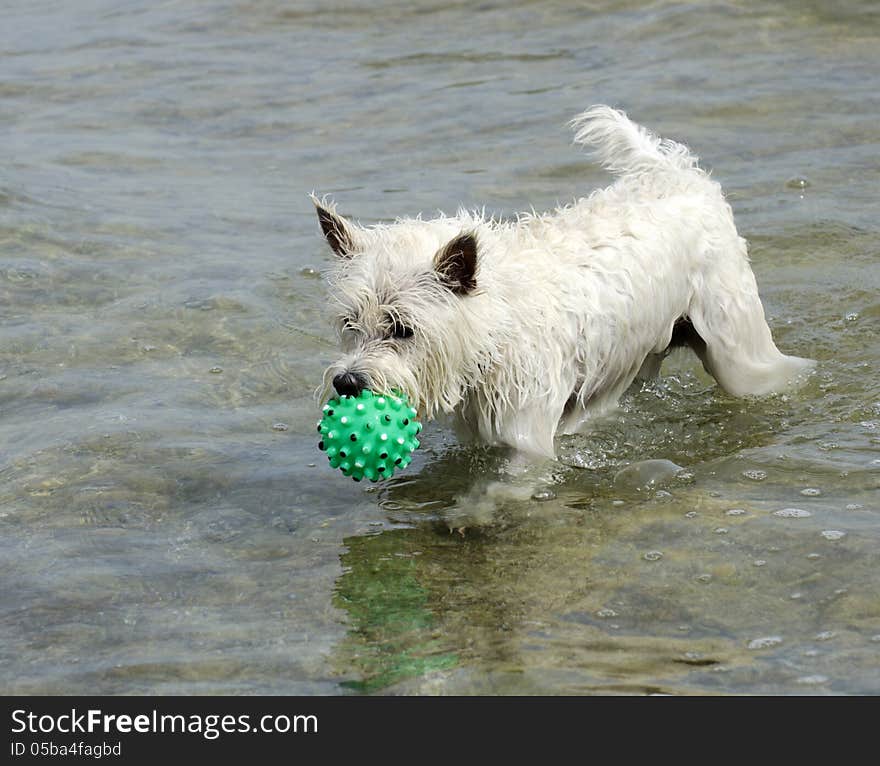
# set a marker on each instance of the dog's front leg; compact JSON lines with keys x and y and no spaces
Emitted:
{"x":524,"y":477}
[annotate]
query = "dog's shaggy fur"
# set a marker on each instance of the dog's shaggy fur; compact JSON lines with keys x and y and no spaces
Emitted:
{"x":525,"y":329}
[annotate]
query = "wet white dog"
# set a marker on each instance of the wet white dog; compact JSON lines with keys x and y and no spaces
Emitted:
{"x":523,"y":330}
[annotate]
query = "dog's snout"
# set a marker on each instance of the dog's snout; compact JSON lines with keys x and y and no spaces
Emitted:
{"x":349,"y":383}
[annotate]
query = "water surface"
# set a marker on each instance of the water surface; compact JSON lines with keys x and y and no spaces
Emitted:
{"x":167,"y":525}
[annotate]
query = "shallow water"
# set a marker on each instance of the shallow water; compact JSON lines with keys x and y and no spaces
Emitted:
{"x":168,"y":525}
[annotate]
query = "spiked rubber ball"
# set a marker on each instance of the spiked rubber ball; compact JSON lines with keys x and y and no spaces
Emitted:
{"x":369,"y":435}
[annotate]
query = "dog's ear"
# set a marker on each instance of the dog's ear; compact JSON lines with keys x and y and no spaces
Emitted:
{"x":456,"y":264}
{"x":337,"y":230}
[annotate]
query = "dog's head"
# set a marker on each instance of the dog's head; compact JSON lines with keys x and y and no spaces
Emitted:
{"x":402,"y":296}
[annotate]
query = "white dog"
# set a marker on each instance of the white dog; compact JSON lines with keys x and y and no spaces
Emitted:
{"x":523,"y":330}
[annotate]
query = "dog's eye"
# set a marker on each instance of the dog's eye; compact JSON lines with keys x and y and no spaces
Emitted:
{"x":347,"y":324}
{"x":400,"y":331}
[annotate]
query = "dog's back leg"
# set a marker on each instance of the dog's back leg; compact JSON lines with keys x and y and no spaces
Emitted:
{"x":728,"y":318}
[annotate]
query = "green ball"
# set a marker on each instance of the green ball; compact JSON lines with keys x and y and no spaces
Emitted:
{"x":369,"y":435}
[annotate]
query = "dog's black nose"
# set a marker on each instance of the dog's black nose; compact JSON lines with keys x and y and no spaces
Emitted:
{"x":349,"y":383}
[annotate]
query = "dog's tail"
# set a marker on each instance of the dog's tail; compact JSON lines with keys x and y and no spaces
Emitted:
{"x":624,"y":148}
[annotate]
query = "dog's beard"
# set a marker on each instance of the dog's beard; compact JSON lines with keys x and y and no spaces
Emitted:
{"x":433,"y":380}
{"x":383,"y":371}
